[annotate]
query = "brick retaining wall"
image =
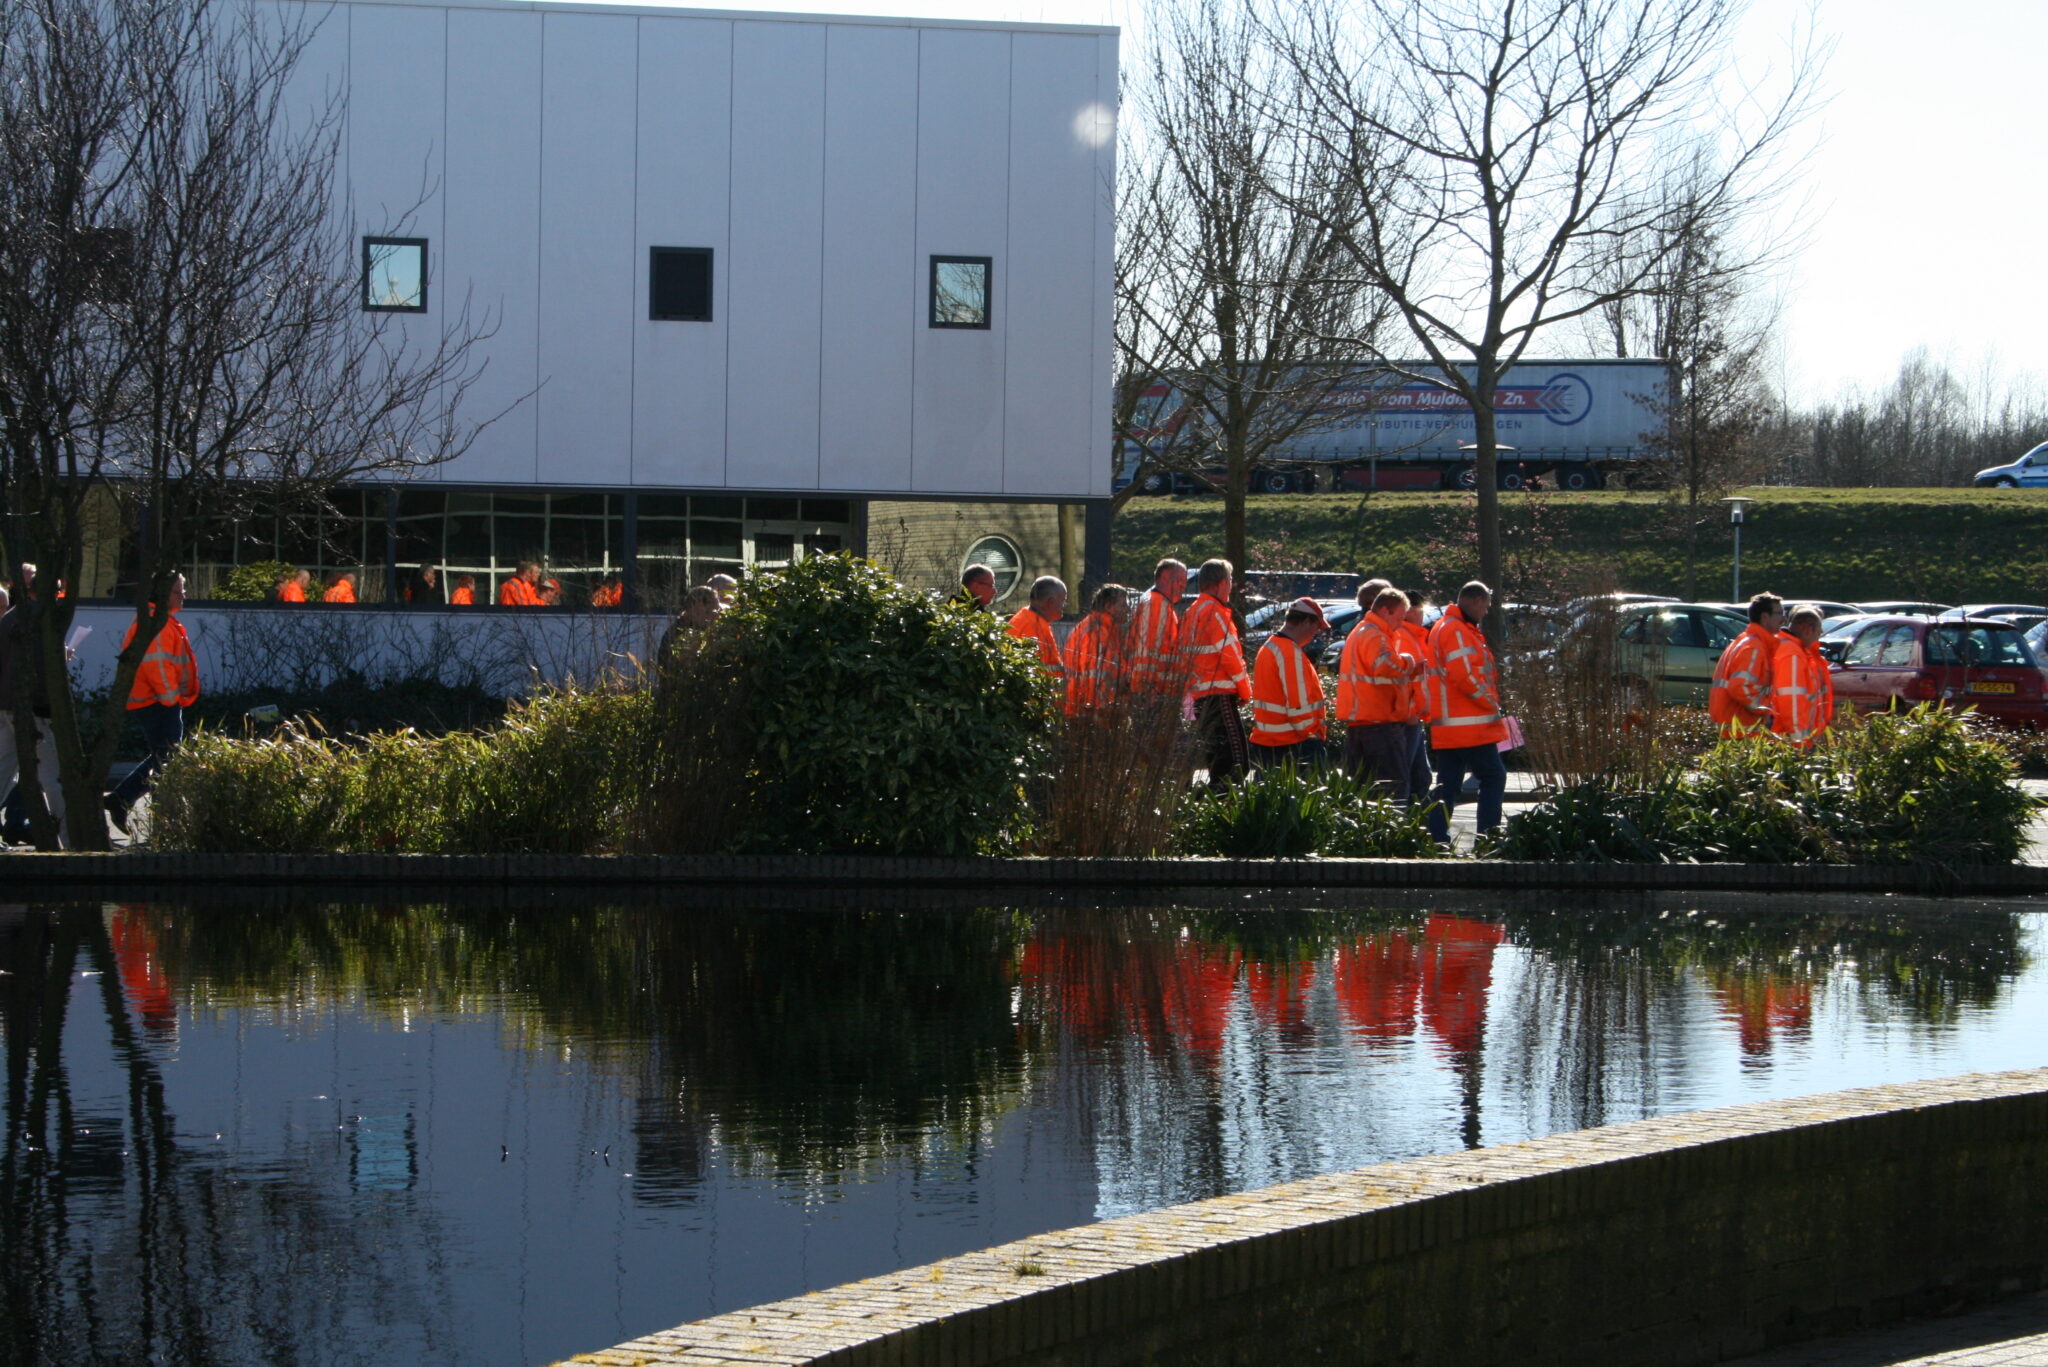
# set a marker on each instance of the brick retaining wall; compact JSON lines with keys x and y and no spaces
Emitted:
{"x":158,"y":872}
{"x":1686,"y":1239}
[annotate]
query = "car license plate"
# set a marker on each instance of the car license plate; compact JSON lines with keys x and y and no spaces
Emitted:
{"x":1994,"y":688}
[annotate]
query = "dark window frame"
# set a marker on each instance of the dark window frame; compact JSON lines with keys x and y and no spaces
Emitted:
{"x":988,"y":284}
{"x":709,"y":255}
{"x":426,"y":278}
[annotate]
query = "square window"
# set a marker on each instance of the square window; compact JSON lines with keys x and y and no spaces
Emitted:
{"x":679,"y":284}
{"x":395,"y":274}
{"x":960,"y":291}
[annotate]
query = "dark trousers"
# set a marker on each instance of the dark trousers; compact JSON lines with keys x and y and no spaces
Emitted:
{"x":1416,"y":737}
{"x":162,"y":729}
{"x":1222,"y":734}
{"x":1380,"y":752}
{"x":1311,"y":753}
{"x":1485,"y":762}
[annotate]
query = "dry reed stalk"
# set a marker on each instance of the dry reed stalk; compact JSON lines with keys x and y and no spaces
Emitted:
{"x":1585,"y":711}
{"x":1115,"y":779}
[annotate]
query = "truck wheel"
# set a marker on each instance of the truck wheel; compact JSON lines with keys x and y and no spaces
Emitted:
{"x":1578,"y":478}
{"x":1461,"y":477}
{"x":1274,"y":482}
{"x":1158,"y":484}
{"x":1511,"y":479}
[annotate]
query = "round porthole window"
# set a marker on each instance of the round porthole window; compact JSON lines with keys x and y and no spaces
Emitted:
{"x":1003,"y":559}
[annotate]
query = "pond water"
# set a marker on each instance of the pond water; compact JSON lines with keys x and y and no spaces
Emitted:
{"x":385,"y":1134}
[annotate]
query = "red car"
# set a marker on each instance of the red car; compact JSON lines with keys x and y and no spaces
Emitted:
{"x":1880,"y":662}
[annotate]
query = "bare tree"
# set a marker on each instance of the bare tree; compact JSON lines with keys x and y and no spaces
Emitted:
{"x":181,"y":337}
{"x":1699,"y":313}
{"x":1490,"y":145}
{"x":1237,"y":315}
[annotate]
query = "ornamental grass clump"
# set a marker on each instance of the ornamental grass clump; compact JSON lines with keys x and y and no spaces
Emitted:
{"x":1287,"y":812}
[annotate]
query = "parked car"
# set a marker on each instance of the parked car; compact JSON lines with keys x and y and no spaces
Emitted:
{"x":1667,"y":648}
{"x":2030,"y":471}
{"x":2037,"y":641}
{"x":1579,"y":607}
{"x":1883,"y":662}
{"x":1903,"y":609}
{"x":1341,"y":613}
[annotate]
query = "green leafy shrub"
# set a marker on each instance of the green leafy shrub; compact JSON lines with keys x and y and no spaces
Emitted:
{"x":879,"y":719}
{"x":1915,"y":787}
{"x":251,"y":583}
{"x":1285,"y":812}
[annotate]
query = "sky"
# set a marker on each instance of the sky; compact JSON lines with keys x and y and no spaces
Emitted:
{"x":1912,"y":185}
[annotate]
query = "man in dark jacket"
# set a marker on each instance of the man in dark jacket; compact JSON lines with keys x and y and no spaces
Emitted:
{"x":22,"y":682}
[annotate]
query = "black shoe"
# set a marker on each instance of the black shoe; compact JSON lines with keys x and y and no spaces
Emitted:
{"x":116,"y":813}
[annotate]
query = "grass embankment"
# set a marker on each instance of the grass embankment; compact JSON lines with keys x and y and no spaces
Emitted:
{"x":1944,"y":545}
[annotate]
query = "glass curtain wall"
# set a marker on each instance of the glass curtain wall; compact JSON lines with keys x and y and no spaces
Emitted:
{"x":478,"y":539}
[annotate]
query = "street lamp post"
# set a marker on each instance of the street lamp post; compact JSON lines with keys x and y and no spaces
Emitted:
{"x":1737,"y":508}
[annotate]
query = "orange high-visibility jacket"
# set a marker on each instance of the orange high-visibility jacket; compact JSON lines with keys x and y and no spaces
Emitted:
{"x":1467,"y":707}
{"x":342,"y":592}
{"x":1029,"y":625}
{"x":1215,"y":660}
{"x":1097,"y":665}
{"x":1375,"y":675}
{"x":517,"y":593}
{"x":1287,"y":694}
{"x":1157,"y":665}
{"x":607,"y":595}
{"x":168,"y":675}
{"x":291,"y":592}
{"x":1741,"y":696}
{"x":1424,"y":687}
{"x":1802,"y":692}
{"x":462,"y":598}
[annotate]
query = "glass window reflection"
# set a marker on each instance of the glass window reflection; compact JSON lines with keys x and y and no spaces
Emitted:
{"x":395,"y":274}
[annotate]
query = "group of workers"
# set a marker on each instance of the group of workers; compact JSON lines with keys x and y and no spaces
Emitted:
{"x":1411,"y":699}
{"x":526,"y":587}
{"x":1773,"y":678}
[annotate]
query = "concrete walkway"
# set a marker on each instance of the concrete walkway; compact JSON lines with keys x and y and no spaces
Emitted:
{"x":2011,"y":1334}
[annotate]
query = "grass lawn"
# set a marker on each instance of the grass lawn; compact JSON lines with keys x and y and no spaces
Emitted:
{"x":1944,"y":545}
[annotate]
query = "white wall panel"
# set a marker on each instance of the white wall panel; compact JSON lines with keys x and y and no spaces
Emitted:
{"x":396,"y":139}
{"x":1047,"y":446}
{"x":963,"y":142}
{"x":588,"y":108}
{"x":685,"y":159}
{"x":1102,"y":267}
{"x":778,"y":154}
{"x":490,"y":247}
{"x":871,"y":279}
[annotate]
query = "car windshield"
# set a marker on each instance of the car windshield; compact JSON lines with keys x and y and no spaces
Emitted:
{"x":1975,"y":647}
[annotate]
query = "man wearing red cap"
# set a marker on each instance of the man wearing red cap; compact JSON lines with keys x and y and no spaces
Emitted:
{"x":1287,"y":693}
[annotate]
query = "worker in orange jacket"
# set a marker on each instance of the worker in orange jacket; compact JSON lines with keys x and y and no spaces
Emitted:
{"x":1216,"y":677}
{"x":293,"y":589}
{"x":166,"y":683}
{"x":463,"y":595}
{"x":1033,"y":622}
{"x":1422,"y":695}
{"x":1466,"y":726}
{"x":1157,"y":664}
{"x":522,"y":590}
{"x":1741,"y":696}
{"x":1287,"y":693}
{"x":1097,"y":653}
{"x":341,"y":587}
{"x":1802,"y":687}
{"x":1376,"y":694}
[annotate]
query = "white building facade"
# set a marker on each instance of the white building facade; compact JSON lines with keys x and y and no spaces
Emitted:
{"x":762,"y":285}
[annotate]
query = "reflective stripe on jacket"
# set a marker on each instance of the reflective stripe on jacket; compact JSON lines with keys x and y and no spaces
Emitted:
{"x":1287,"y":694}
{"x":1157,"y":665}
{"x":1096,"y":663}
{"x":1215,"y":660}
{"x":1467,"y":711}
{"x":517,"y":593}
{"x":1029,"y":625}
{"x":1802,"y":692}
{"x":1428,"y":681}
{"x":1741,"y":696}
{"x":1375,"y":675}
{"x":168,"y":675}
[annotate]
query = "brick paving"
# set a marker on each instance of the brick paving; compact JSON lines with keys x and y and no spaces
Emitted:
{"x":2012,"y":1334}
